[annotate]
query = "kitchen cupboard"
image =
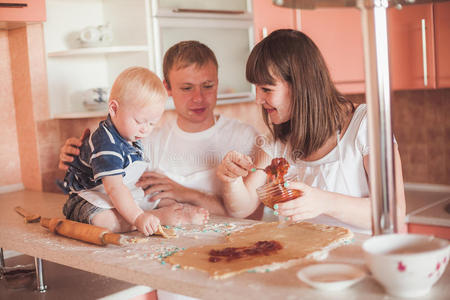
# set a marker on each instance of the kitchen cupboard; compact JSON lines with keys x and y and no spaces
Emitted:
{"x":337,"y":33}
{"x":441,"y":13}
{"x":74,"y":67}
{"x":437,"y":231}
{"x":225,"y":27}
{"x":14,"y":13}
{"x":140,"y":31}
{"x":419,"y":38}
{"x":411,"y":45}
{"x":267,"y":17}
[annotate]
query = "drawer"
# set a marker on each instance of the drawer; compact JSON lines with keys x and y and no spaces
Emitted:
{"x":22,"y":11}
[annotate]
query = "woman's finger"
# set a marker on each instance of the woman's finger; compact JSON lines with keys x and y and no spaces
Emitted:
{"x":293,"y":211}
{"x":239,"y":159}
{"x":296,"y":185}
{"x":289,"y":204}
{"x":235,"y":169}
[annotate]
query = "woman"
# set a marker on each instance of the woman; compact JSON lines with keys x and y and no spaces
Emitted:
{"x":321,"y":134}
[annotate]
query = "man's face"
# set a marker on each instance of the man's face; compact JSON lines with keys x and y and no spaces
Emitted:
{"x":194,"y":92}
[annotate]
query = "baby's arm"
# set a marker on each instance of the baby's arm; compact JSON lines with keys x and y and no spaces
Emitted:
{"x":124,"y":203}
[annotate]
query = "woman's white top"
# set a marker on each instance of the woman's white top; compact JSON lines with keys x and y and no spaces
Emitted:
{"x":191,"y":158}
{"x":340,"y":171}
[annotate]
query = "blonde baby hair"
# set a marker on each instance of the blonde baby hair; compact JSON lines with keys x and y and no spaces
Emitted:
{"x":138,"y":86}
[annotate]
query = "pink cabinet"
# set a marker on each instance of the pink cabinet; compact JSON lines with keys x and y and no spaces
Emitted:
{"x":22,"y":11}
{"x":337,"y":33}
{"x":411,"y":44}
{"x":437,"y":231}
{"x":441,"y":13}
{"x":268,"y":17}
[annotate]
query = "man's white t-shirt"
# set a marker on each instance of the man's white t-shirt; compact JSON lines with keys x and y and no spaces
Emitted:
{"x":340,"y":171}
{"x":191,"y":158}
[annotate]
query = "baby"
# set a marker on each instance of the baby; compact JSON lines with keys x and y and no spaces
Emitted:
{"x":101,"y":180}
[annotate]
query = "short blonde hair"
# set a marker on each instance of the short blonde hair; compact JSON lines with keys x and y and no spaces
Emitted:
{"x":186,"y":53}
{"x":138,"y":86}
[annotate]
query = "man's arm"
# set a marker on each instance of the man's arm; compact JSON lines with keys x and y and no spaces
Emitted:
{"x":165,"y":188}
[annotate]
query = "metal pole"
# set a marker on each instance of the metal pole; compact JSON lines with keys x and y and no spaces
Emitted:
{"x":378,"y":97}
{"x":2,"y":259}
{"x":41,"y":287}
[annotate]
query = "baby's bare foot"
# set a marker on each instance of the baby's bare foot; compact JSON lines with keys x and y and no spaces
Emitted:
{"x":181,"y":214}
{"x":194,"y":214}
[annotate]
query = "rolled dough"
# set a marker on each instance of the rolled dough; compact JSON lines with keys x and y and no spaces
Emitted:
{"x":300,"y":241}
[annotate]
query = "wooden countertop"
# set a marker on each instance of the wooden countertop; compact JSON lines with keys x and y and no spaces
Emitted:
{"x":141,"y":263}
{"x":427,"y":206}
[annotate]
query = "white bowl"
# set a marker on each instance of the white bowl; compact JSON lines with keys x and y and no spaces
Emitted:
{"x":331,"y":277}
{"x":406,"y":265}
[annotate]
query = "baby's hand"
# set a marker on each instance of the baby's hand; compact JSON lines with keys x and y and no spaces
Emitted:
{"x":147,"y":223}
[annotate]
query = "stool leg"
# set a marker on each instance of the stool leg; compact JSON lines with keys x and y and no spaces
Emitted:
{"x":41,"y":287}
{"x":2,"y":259}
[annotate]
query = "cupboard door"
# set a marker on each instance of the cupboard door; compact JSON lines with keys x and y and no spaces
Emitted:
{"x":230,"y":40}
{"x":22,"y":11}
{"x":442,"y":36}
{"x":411,"y":44}
{"x":212,"y":5}
{"x":337,"y":32}
{"x":267,"y":17}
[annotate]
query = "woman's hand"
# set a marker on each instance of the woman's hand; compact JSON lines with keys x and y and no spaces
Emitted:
{"x":233,"y":166}
{"x":165,"y":187}
{"x":309,"y":205}
{"x":70,"y":149}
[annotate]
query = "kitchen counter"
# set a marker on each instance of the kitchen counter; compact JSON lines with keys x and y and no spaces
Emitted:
{"x":141,"y":263}
{"x":426,"y":205}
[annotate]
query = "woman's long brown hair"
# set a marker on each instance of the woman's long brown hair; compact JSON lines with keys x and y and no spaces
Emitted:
{"x":318,"y":109}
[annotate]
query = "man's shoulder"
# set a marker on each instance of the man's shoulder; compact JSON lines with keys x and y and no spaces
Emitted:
{"x":234,"y":126}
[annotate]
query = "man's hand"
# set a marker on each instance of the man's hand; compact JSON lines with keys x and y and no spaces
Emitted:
{"x":70,"y":149}
{"x":165,"y":187}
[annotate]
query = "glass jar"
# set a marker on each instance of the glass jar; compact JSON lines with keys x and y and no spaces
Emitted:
{"x":271,"y":193}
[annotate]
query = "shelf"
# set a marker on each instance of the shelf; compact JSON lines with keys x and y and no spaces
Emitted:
{"x":97,"y":50}
{"x":223,"y":99}
{"x":82,"y":114}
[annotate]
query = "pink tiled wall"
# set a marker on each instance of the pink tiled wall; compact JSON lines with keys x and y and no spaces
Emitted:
{"x":420,"y":121}
{"x":421,"y":125}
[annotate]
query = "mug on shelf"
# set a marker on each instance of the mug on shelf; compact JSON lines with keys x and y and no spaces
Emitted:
{"x":94,"y":36}
{"x":96,"y":98}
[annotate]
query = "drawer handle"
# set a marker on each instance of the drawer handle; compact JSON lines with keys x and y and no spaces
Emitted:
{"x":208,"y":11}
{"x":13,"y":5}
{"x":424,"y":53}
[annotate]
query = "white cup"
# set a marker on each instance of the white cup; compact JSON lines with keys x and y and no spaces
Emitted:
{"x":90,"y":35}
{"x":406,"y":265}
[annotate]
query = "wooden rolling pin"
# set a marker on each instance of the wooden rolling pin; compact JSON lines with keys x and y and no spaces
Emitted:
{"x":81,"y":231}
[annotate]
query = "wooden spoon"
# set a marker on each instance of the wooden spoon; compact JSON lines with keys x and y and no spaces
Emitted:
{"x":28,"y":217}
